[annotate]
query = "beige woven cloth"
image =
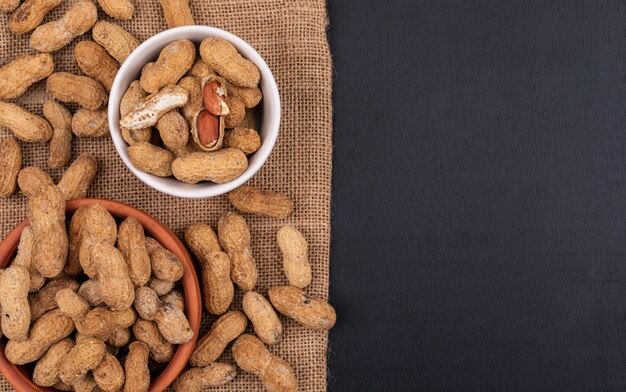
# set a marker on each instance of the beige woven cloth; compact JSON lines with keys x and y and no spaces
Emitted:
{"x":291,"y":36}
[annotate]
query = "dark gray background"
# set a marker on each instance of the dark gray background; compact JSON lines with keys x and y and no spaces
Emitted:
{"x":479,"y":195}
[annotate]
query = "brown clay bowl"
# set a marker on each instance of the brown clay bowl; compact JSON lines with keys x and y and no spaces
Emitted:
{"x":21,"y":376}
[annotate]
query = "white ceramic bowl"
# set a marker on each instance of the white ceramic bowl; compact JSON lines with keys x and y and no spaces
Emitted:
{"x":149,"y":51}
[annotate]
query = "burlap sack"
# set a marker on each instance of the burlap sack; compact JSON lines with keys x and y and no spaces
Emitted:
{"x":291,"y":36}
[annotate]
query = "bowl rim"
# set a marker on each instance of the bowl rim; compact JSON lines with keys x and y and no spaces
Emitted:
{"x":191,"y":288}
{"x":208,"y":189}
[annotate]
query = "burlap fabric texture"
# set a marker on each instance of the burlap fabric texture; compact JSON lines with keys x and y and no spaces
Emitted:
{"x":291,"y":36}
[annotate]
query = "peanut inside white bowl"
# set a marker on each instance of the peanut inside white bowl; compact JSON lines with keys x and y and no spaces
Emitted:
{"x":269,"y":109}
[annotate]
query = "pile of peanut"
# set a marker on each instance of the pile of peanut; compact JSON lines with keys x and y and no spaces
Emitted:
{"x":227,"y":260}
{"x":74,"y":298}
{"x":98,"y":59}
{"x":203,"y":110}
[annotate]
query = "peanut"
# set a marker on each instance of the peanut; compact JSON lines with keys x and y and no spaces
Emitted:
{"x":91,"y":292}
{"x":49,"y":329}
{"x":249,"y":96}
{"x":174,"y":130}
{"x":90,"y":123}
{"x":109,"y":375}
{"x":116,"y":288}
{"x":177,"y":13}
{"x":312,"y":313}
{"x":161,"y":351}
{"x":46,"y":212}
{"x":171,"y":320}
{"x":18,"y":75}
{"x":46,"y":373}
{"x":165,"y":265}
{"x":217,"y":287}
{"x":24,"y":125}
{"x":96,"y":62}
{"x":244,"y":139}
{"x":61,"y":143}
{"x":154,"y":107}
{"x":72,"y":267}
{"x":151,"y":159}
{"x":131,"y":242}
{"x":77,"y":178}
{"x":219,"y":166}
{"x":114,"y":39}
{"x":14,"y":284}
{"x":194,"y":90}
{"x":45,"y":299}
{"x":10,"y":164}
{"x":97,"y":226}
{"x":131,"y":99}
{"x":175,"y":298}
{"x":234,"y":236}
{"x":173,"y":62}
{"x":264,"y":319}
{"x":9,"y":5}
{"x":52,"y":36}
{"x":31,"y":179}
{"x":86,"y":355}
{"x":295,"y":251}
{"x":136,"y":366}
{"x":30,"y":15}
{"x":226,"y":329}
{"x":120,"y":338}
{"x":223,"y":57}
{"x":259,"y":202}
{"x":118,"y":9}
{"x":201,"y":70}
{"x":199,"y":379}
{"x":24,"y":258}
{"x":237,"y":112}
{"x":161,"y":287}
{"x":202,"y":240}
{"x":83,"y":90}
{"x":98,"y":323}
{"x":275,"y":373}
{"x":85,"y":384}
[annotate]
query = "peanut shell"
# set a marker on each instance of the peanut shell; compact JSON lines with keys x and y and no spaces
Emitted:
{"x":131,"y":241}
{"x":96,"y":62}
{"x":14,"y":285}
{"x":154,"y":107}
{"x":225,"y":329}
{"x":136,"y":366}
{"x":237,"y":112}
{"x":234,"y":236}
{"x":165,"y":265}
{"x":116,"y":288}
{"x":161,"y":351}
{"x":77,"y":178}
{"x":97,"y":226}
{"x":46,"y":212}
{"x":312,"y":313}
{"x":61,"y":143}
{"x":216,"y":283}
{"x":90,"y":123}
{"x":199,"y":379}
{"x":251,"y":355}
{"x":295,"y":251}
{"x":24,"y":125}
{"x":109,"y":375}
{"x":264,"y":319}
{"x":151,"y":159}
{"x":244,"y":139}
{"x":46,"y":373}
{"x":30,"y":14}
{"x":9,"y":5}
{"x":174,"y":130}
{"x":84,"y":356}
{"x":74,"y":234}
{"x":24,"y":258}
{"x":219,"y":166}
{"x":52,"y":36}
{"x":224,"y":58}
{"x":83,"y":90}
{"x":118,"y":9}
{"x":31,"y":179}
{"x":18,"y":75}
{"x":10,"y":164}
{"x":114,"y":39}
{"x":259,"y":202}
{"x":44,"y":300}
{"x":177,"y":13}
{"x":174,"y":61}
